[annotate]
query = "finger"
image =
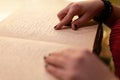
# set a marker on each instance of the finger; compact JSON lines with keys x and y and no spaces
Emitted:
{"x":66,"y":19}
{"x":74,"y":27}
{"x":55,"y":60}
{"x":56,"y":72}
{"x":64,"y":12}
{"x":80,"y":21}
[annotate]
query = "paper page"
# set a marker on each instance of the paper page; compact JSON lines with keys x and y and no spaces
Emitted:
{"x":39,"y":25}
{"x":23,"y":59}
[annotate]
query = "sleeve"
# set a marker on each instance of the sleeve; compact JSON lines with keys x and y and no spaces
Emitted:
{"x":115,"y":46}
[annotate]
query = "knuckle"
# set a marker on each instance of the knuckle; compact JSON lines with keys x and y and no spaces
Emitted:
{"x":75,"y":6}
{"x":59,"y":14}
{"x":83,"y":55}
{"x":71,"y":12}
{"x":79,"y":56}
{"x":71,"y":75}
{"x":86,"y":52}
{"x":79,"y":59}
{"x":74,"y":10}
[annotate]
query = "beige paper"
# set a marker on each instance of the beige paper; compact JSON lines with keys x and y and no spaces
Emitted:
{"x":27,"y":36}
{"x":39,"y":25}
{"x":23,"y":59}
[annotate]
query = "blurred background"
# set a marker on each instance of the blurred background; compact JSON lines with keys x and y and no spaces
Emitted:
{"x":106,"y":55}
{"x":9,"y":6}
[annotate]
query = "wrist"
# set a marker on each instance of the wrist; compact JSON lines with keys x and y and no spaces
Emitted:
{"x":105,"y":13}
{"x":111,"y":76}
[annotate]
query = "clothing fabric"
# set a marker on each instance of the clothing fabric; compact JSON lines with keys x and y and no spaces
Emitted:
{"x":115,"y":46}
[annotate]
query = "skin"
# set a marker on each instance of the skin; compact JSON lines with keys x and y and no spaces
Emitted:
{"x":73,"y":64}
{"x":85,"y":13}
{"x":85,"y":10}
{"x":82,"y":65}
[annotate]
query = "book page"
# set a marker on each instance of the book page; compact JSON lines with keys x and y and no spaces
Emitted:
{"x":23,"y":59}
{"x":28,"y":35}
{"x":39,"y":25}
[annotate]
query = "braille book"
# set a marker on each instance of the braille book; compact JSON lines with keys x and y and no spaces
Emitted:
{"x":27,"y":36}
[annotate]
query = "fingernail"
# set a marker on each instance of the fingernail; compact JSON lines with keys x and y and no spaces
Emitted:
{"x":75,"y":27}
{"x":45,"y":57}
{"x":55,"y":27}
{"x":46,"y":65}
{"x":49,"y":54}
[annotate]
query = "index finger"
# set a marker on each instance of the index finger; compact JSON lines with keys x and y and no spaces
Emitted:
{"x":63,"y":12}
{"x":65,"y":20}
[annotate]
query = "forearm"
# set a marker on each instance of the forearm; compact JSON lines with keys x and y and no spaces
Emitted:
{"x":114,"y":16}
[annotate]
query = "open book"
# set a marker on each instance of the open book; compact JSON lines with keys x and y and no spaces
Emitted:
{"x":27,"y":36}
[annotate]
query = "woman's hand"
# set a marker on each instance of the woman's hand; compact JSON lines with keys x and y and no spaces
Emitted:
{"x":85,"y":10}
{"x":77,"y":65}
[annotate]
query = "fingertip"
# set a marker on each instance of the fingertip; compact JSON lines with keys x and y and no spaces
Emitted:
{"x":74,"y":27}
{"x":46,"y":65}
{"x":55,"y":27}
{"x":50,"y":68}
{"x":45,"y":57}
{"x":56,"y":72}
{"x":58,"y":26}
